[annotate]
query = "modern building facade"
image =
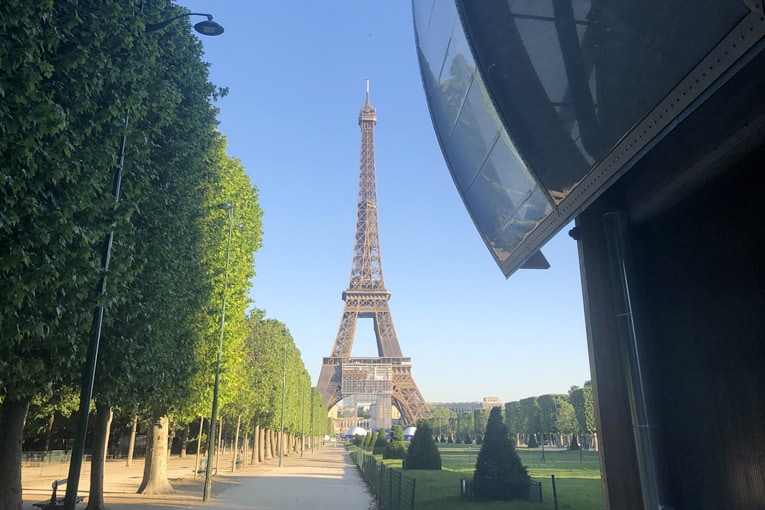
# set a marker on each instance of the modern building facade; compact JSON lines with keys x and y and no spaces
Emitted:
{"x":643,"y":121}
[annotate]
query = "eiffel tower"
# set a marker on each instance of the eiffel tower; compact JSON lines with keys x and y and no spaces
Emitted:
{"x":388,"y":377}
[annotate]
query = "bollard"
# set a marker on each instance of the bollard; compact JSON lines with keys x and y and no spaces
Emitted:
{"x":555,"y":493}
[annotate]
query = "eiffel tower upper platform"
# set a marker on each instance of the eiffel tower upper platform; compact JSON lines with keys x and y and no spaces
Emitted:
{"x":388,"y":377}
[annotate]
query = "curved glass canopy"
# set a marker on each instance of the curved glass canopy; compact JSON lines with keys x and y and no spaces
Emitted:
{"x":539,"y":105}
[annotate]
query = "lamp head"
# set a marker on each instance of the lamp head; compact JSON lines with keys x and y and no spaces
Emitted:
{"x":209,"y":27}
{"x":225,"y":205}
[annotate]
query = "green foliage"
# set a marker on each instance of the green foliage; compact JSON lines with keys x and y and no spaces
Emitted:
{"x":581,"y":400}
{"x":556,"y":415}
{"x":499,"y":473}
{"x":67,"y":83}
{"x":423,"y":452}
{"x":380,"y":444}
{"x":465,"y":427}
{"x":395,"y":448}
{"x":370,"y":441}
{"x":480,"y":418}
{"x":513,"y":418}
{"x":529,"y":416}
{"x":442,"y":419}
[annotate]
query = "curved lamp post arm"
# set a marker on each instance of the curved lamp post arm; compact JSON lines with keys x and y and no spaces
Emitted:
{"x":208,"y":27}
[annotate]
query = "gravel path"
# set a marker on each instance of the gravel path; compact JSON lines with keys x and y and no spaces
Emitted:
{"x":324,"y":479}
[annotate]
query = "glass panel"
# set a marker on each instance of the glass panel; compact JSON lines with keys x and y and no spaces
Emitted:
{"x":434,"y":29}
{"x":454,"y":82}
{"x":474,"y":135}
{"x":500,"y":193}
{"x":571,"y":77}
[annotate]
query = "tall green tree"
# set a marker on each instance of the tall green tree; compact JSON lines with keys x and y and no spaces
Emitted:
{"x":530,"y":420}
{"x":396,"y":448}
{"x":466,"y":426}
{"x":440,"y":419}
{"x":581,"y":400}
{"x":513,"y":420}
{"x":73,"y":80}
{"x":480,"y":418}
{"x":556,"y":415}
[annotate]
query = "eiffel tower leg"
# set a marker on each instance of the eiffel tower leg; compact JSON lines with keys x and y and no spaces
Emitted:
{"x":405,"y":392}
{"x":330,"y":381}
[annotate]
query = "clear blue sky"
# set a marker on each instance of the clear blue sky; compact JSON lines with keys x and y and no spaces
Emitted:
{"x":296,"y":73}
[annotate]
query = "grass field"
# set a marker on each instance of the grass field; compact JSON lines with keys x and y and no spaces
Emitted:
{"x":577,"y":482}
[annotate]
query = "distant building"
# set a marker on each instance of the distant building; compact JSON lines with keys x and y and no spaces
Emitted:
{"x":491,"y":402}
{"x":466,"y":407}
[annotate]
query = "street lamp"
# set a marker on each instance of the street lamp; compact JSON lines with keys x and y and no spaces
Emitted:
{"x":284,"y":385}
{"x":89,"y":371}
{"x":302,"y":417}
{"x":312,"y":436}
{"x":229,"y":208}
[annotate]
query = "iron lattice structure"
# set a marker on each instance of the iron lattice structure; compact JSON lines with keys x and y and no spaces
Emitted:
{"x":367,"y":297}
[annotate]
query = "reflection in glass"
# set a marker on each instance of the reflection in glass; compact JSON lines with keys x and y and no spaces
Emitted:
{"x":544,"y":91}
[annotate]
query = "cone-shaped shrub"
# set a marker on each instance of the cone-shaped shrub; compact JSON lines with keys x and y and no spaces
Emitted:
{"x":370,"y":442}
{"x":499,"y":473}
{"x":381,"y":444}
{"x":396,"y":448}
{"x":423,"y":452}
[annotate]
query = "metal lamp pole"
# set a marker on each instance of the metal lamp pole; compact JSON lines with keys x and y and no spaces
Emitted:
{"x":229,"y":207}
{"x":312,"y":436}
{"x":302,"y":418}
{"x":284,"y":385}
{"x":89,"y":372}
{"x":208,"y":27}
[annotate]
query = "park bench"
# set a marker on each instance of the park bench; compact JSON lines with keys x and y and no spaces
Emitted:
{"x":54,"y":501}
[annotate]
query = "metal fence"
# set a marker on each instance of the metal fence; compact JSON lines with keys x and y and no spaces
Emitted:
{"x":535,"y":490}
{"x":392,"y":488}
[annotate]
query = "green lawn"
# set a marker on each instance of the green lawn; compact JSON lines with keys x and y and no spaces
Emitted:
{"x":577,"y":483}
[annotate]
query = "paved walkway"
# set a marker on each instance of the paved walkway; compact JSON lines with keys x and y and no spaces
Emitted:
{"x":326,"y":478}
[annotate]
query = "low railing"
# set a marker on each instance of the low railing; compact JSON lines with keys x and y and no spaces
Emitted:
{"x":391,"y":487}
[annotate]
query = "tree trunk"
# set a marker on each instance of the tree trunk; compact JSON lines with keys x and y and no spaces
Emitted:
{"x":199,"y":446}
{"x":236,"y":443}
{"x":155,"y":467}
{"x":268,"y":453}
{"x":98,"y":457}
{"x":245,"y":448}
{"x":170,"y":439}
{"x":131,"y":441}
{"x":257,"y":446}
{"x":12,"y":417}
{"x":184,"y":440}
{"x":261,"y":444}
{"x":220,"y":445}
{"x":49,"y":431}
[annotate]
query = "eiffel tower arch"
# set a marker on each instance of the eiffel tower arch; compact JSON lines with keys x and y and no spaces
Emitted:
{"x":386,"y":378}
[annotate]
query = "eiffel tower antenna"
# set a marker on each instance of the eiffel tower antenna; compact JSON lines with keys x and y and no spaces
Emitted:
{"x":387,"y":378}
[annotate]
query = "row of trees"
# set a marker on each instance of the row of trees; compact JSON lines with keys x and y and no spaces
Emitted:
{"x":561,"y":420}
{"x":87,"y":91}
{"x":551,"y":418}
